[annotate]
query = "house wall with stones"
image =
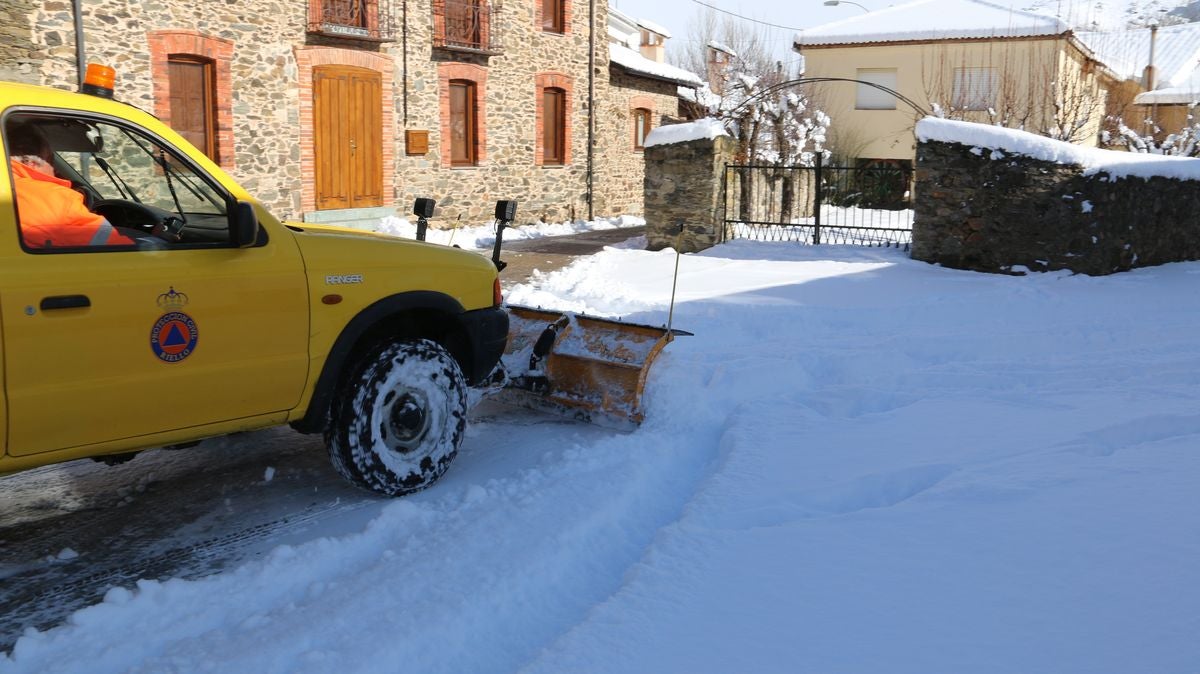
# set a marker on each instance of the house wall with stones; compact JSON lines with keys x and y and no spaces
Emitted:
{"x":620,"y":169}
{"x":17,"y":51}
{"x":261,"y":67}
{"x":508,"y":84}
{"x":992,"y":212}
{"x":265,"y":60}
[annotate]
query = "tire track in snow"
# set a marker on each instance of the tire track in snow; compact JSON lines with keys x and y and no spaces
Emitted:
{"x":444,"y":571}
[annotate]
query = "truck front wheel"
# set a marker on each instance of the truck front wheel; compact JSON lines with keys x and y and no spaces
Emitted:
{"x":400,"y":418}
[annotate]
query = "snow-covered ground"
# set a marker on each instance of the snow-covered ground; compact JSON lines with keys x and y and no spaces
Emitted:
{"x":859,"y":463}
{"x":483,"y":236}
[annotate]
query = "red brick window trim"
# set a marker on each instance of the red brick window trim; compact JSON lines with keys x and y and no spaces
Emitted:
{"x":184,"y":45}
{"x":553,"y":16}
{"x":307,"y":60}
{"x":642,"y":114}
{"x":453,"y":79}
{"x":558,"y":151}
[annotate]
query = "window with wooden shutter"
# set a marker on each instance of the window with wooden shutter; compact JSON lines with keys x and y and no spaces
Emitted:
{"x":462,"y":123}
{"x":192,"y":84}
{"x":554,"y":122}
{"x":552,"y":16}
{"x":641,"y":127}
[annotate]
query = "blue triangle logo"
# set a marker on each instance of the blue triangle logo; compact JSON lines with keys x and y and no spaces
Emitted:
{"x":174,"y":337}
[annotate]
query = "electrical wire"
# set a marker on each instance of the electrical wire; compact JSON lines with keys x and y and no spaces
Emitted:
{"x":745,"y":18}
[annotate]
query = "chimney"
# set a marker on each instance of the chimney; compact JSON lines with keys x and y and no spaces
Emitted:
{"x":1148,"y":79}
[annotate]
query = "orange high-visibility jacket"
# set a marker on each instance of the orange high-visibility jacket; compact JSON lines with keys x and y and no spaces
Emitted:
{"x":53,"y":214}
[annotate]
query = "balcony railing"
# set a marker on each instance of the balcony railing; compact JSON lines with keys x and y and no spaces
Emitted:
{"x":355,"y":19}
{"x":466,"y":25}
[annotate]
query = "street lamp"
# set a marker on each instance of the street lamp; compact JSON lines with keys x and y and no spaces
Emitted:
{"x":835,"y":3}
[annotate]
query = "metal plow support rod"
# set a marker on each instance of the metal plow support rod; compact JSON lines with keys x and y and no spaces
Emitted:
{"x":587,"y":368}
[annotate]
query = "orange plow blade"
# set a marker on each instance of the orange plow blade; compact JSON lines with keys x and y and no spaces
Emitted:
{"x":587,"y":368}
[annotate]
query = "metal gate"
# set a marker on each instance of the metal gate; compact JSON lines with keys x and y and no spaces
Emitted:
{"x":866,"y":205}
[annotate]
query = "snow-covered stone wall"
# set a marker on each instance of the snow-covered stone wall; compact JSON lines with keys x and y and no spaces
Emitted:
{"x":684,"y":185}
{"x":983,"y":203}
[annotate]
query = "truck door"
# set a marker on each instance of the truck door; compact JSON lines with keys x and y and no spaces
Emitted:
{"x":108,"y":342}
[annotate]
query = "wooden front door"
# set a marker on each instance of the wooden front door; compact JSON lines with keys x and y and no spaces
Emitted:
{"x":191,"y":87}
{"x":348,"y":137}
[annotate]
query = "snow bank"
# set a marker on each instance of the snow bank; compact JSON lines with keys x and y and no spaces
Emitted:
{"x":701,"y":129}
{"x":482,"y":237}
{"x":1092,"y":160}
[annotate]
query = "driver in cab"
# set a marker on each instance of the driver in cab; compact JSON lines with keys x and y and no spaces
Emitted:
{"x":51,"y":213}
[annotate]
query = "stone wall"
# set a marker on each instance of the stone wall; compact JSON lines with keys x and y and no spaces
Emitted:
{"x":620,"y":168}
{"x":272,"y":146}
{"x":262,"y":71}
{"x":17,"y":51}
{"x":684,"y":184}
{"x":987,"y":211}
{"x":509,"y":169}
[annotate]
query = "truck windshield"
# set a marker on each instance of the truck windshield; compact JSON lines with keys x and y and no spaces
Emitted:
{"x":115,"y":163}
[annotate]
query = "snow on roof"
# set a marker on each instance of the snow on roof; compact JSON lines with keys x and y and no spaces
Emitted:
{"x":617,"y":16}
{"x":1127,"y":52}
{"x":636,"y":63}
{"x":1092,"y":160}
{"x":701,"y":129}
{"x":933,"y":20}
{"x":620,"y":37}
{"x":1185,"y":93}
{"x":701,"y":95}
{"x":713,"y":44}
{"x":653,"y":27}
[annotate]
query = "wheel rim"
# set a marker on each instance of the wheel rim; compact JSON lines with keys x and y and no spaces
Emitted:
{"x":407,"y":420}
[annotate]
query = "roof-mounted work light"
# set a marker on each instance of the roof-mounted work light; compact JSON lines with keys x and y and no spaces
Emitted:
{"x":99,"y":80}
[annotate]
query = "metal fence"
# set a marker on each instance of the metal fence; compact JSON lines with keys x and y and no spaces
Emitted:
{"x":864,"y":205}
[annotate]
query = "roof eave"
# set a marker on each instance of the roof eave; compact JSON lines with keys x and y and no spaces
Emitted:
{"x":649,"y":76}
{"x":799,"y":46}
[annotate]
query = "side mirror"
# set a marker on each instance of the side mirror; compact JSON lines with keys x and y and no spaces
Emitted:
{"x":243,"y":225}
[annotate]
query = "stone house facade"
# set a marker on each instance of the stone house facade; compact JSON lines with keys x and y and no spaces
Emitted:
{"x":347,"y":110}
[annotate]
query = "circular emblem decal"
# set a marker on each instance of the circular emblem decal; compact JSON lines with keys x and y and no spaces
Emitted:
{"x":173,"y":337}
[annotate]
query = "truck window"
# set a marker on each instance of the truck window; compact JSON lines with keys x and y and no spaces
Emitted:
{"x":96,"y":175}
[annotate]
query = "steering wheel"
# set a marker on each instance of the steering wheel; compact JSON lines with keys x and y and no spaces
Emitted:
{"x":124,"y":213}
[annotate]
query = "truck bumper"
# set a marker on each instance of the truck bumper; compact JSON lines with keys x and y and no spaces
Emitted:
{"x":488,"y":331}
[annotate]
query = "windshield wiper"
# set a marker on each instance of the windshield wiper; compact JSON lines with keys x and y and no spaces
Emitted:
{"x":122,"y":186}
{"x":162,"y":160}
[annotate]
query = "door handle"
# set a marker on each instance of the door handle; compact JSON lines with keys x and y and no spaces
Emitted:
{"x":65,"y":302}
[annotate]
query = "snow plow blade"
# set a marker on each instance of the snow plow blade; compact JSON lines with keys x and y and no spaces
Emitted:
{"x":583,"y":367}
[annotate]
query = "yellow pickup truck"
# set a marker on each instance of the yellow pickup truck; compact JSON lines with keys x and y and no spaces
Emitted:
{"x":204,"y":315}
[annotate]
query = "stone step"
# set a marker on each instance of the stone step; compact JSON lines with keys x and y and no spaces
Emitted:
{"x":354,"y":218}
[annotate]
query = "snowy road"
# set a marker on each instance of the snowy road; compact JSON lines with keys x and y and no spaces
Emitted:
{"x":68,"y":533}
{"x":71,"y":532}
{"x":859,"y":463}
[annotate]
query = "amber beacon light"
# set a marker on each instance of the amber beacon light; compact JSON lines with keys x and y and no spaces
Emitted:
{"x":99,"y":80}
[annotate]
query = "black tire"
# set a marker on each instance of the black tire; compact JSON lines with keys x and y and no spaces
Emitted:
{"x":399,"y":418}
